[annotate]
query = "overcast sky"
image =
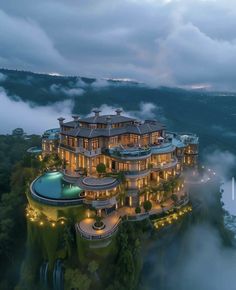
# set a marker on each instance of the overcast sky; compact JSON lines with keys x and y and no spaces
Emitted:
{"x":188,"y":43}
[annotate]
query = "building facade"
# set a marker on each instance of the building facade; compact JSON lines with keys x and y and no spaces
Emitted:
{"x":137,"y":158}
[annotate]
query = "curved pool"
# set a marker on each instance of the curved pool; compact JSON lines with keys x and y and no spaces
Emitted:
{"x":34,"y":150}
{"x":51,"y":186}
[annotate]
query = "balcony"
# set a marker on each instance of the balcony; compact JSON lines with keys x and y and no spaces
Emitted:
{"x":97,"y":184}
{"x":189,"y":138}
{"x":85,"y":229}
{"x":166,"y":165}
{"x":101,"y":203}
{"x":163,"y":148}
{"x":137,"y":174}
{"x":83,"y":151}
{"x":135,"y":153}
{"x":88,"y":153}
{"x":191,"y":152}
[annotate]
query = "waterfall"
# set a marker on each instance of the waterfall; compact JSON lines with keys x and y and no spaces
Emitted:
{"x":43,"y":274}
{"x":58,"y":276}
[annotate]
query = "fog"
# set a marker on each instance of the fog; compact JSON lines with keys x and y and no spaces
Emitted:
{"x":147,"y":110}
{"x":196,"y":257}
{"x":33,"y":119}
{"x":224,"y":163}
{"x":36,"y":119}
{"x":2,"y":77}
{"x":205,"y":264}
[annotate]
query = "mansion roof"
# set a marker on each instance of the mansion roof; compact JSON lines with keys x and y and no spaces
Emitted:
{"x":132,"y":128}
{"x":104,"y":119}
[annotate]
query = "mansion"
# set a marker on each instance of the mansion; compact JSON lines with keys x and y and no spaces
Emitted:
{"x":133,"y":155}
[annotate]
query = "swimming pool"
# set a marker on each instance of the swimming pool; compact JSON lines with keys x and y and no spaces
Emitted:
{"x":34,"y":150}
{"x":51,"y":186}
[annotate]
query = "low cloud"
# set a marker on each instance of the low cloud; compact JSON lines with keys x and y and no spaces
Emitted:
{"x":33,"y":119}
{"x":224,"y":164}
{"x":205,"y":263}
{"x":146,"y":111}
{"x":224,"y":132}
{"x":2,"y":77}
{"x":69,"y":92}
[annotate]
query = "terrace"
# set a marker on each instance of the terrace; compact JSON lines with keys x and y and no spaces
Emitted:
{"x":86,"y":230}
{"x":163,"y":148}
{"x":166,"y":165}
{"x":133,"y":153}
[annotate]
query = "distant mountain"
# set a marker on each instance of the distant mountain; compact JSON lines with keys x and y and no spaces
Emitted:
{"x":211,"y":115}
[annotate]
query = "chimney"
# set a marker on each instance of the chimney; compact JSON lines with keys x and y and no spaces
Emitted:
{"x":118,"y":112}
{"x":96,"y":112}
{"x":61,"y":120}
{"x":76,"y":120}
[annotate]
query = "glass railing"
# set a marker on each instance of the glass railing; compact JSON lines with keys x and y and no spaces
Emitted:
{"x":128,"y":153}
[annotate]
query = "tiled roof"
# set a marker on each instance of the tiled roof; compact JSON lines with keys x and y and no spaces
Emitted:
{"x":103,"y":119}
{"x":139,"y":129}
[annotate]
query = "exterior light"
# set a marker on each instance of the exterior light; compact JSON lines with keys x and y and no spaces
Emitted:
{"x":41,"y":223}
{"x":53,"y":225}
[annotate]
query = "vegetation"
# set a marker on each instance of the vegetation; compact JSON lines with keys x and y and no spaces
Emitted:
{"x":147,"y":205}
{"x":98,"y":221}
{"x":17,"y":169}
{"x":101,"y":168}
{"x":12,"y":149}
{"x":128,"y":260}
{"x":137,"y":210}
{"x":74,"y":279}
{"x":51,"y":162}
{"x":174,"y":197}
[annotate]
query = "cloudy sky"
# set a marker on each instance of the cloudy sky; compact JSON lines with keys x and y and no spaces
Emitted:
{"x":188,"y":43}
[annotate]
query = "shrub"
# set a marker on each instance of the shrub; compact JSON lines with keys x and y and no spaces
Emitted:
{"x":174,"y":197}
{"x":101,"y":168}
{"x":138,"y":210}
{"x":147,"y":205}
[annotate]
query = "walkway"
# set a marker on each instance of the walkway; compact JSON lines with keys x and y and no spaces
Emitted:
{"x":85,"y":227}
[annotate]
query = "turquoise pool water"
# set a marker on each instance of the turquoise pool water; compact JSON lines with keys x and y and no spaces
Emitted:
{"x":51,"y":185}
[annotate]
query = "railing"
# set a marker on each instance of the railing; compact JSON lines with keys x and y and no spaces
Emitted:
{"x":65,"y":146}
{"x":138,"y":217}
{"x":191,"y":152}
{"x":133,"y":153}
{"x":101,"y":203}
{"x":86,"y":152}
{"x":163,"y":148}
{"x":70,"y":174}
{"x":55,"y":202}
{"x":167,"y":165}
{"x":136,"y":173}
{"x":105,"y":235}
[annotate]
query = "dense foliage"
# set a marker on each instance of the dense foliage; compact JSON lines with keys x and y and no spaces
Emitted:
{"x":12,"y":150}
{"x":18,"y":168}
